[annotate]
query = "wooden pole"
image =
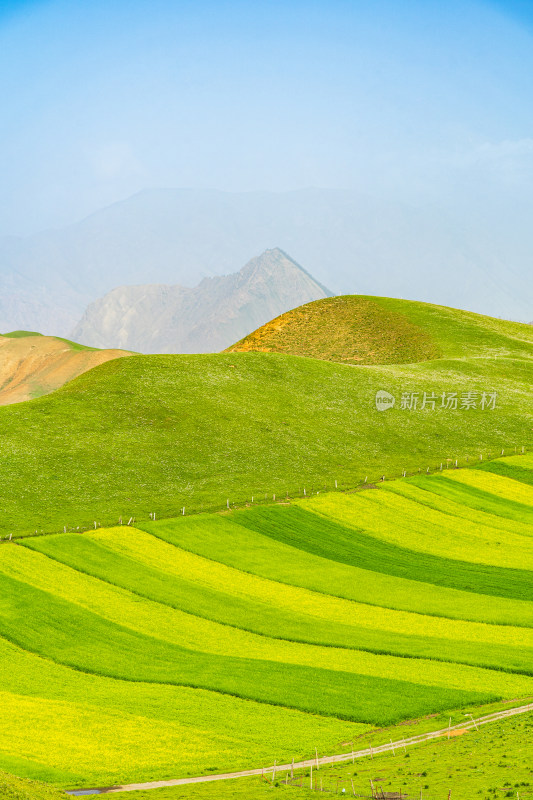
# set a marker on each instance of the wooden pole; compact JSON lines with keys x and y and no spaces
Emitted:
{"x":311,"y":777}
{"x":353,"y":787}
{"x":316,"y":756}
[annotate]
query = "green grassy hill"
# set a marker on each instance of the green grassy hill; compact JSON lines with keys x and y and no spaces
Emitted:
{"x":156,"y":433}
{"x":238,"y":638}
{"x":355,"y":329}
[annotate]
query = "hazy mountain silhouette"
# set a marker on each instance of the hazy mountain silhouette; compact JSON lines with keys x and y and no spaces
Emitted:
{"x":175,"y":319}
{"x":351,"y":243}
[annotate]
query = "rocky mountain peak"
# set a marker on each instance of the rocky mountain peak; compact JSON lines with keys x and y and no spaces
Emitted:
{"x":160,"y":318}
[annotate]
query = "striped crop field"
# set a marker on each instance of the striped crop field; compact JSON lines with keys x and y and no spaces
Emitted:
{"x":219,"y":642}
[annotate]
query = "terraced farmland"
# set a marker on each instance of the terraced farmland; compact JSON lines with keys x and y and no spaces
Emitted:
{"x":224,"y":641}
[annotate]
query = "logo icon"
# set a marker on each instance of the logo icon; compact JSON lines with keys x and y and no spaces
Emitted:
{"x":384,"y":400}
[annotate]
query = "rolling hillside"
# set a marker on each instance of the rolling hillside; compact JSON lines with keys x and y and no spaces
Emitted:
{"x":379,"y":330}
{"x":155,"y":433}
{"x":229,"y":640}
{"x":32,"y":365}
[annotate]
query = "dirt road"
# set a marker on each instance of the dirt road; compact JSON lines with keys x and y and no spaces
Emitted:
{"x":284,"y":768}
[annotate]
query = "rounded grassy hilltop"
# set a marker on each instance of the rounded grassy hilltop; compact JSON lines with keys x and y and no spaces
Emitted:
{"x":355,"y":329}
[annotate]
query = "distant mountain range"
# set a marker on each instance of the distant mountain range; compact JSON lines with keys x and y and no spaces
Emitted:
{"x":157,"y":318}
{"x":349,"y":242}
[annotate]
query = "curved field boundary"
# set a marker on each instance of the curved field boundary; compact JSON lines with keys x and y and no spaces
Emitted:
{"x":311,"y":762}
{"x":327,"y":538}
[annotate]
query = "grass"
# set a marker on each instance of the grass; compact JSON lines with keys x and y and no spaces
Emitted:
{"x":221,"y":641}
{"x":492,"y":762}
{"x":239,"y":638}
{"x":25,"y":334}
{"x":456,"y":512}
{"x":218,"y":538}
{"x":20,"y":334}
{"x":349,"y":329}
{"x":114,"y":730}
{"x":272,"y":630}
{"x":520,"y":469}
{"x":476,"y":498}
{"x":15,"y":788}
{"x":387,"y":514}
{"x":323,"y":537}
{"x":380,"y":330}
{"x":512,"y":490}
{"x":107,"y":648}
{"x":156,"y":433}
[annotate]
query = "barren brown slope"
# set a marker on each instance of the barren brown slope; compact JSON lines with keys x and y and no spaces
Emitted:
{"x":31,"y":366}
{"x":350,"y":329}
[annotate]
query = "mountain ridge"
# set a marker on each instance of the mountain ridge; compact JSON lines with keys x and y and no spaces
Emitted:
{"x":162,"y":318}
{"x":351,"y":242}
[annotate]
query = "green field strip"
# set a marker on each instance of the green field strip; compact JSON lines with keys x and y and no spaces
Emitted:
{"x":397,"y":520}
{"x":346,"y":671}
{"x":52,"y":629}
{"x":34,"y":770}
{"x":509,"y":649}
{"x":323,"y":537}
{"x":457,"y":511}
{"x":218,"y":538}
{"x":143,"y":731}
{"x":475,"y":498}
{"x":304,"y":607}
{"x":499,"y":485}
{"x":518,"y":472}
{"x":524,"y":459}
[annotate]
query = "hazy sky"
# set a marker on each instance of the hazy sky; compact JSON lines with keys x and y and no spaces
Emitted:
{"x":411,"y":99}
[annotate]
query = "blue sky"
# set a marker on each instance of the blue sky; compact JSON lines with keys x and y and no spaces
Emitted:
{"x":414,"y":100}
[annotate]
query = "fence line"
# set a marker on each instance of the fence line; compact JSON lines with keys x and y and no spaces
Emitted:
{"x":288,"y":495}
